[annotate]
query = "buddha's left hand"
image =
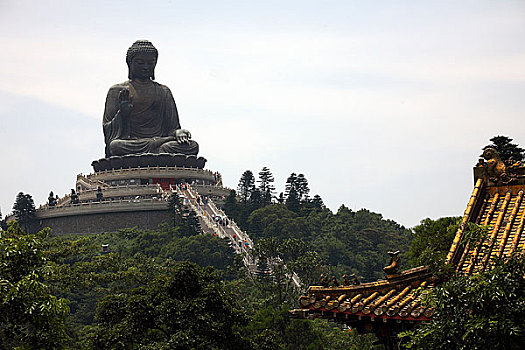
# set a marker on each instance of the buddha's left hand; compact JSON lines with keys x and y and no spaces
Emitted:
{"x":182,"y":135}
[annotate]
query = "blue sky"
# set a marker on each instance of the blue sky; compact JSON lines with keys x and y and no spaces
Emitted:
{"x":383,"y":105}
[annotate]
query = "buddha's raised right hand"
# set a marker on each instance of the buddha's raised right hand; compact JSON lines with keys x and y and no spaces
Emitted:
{"x":125,"y":104}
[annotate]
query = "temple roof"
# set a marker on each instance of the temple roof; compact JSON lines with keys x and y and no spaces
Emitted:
{"x":398,"y":297}
{"x":501,"y":209}
{"x":497,"y":203}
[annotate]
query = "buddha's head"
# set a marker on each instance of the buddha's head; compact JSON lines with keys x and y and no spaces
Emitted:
{"x":141,"y":59}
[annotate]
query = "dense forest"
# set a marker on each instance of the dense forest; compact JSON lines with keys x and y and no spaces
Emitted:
{"x":346,"y":242}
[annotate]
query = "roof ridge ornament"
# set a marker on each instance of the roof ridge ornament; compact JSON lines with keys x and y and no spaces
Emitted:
{"x":498,"y":171}
{"x":392,"y":269}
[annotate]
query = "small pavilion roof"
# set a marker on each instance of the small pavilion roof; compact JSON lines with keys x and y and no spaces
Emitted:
{"x":398,"y":297}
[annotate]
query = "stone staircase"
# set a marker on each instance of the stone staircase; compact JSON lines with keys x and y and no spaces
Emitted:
{"x":207,"y":211}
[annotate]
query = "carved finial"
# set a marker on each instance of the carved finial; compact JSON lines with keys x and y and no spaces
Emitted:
{"x":346,"y":281}
{"x":393,"y":265}
{"x":324,"y":281}
{"x":350,"y":280}
{"x":334,"y":282}
{"x":355,"y":280}
{"x":495,"y":168}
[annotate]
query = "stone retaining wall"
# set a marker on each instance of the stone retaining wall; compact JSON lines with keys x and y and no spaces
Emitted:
{"x":105,"y":222}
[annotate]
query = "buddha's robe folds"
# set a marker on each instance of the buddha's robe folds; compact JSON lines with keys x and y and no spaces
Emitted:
{"x":150,"y":128}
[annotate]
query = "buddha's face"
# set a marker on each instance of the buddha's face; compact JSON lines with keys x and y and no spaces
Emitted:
{"x":143,"y":66}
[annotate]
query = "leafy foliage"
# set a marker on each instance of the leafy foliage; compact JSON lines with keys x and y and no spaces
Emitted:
{"x":431,"y":242}
{"x":156,"y":289}
{"x":3,"y":223}
{"x":266,"y":187}
{"x":484,"y":311}
{"x":271,"y":329}
{"x":246,"y":186}
{"x":185,"y":219}
{"x":25,"y":211}
{"x":187,"y":308}
{"x":30,"y":316}
{"x":348,"y":241}
{"x":128,"y":288}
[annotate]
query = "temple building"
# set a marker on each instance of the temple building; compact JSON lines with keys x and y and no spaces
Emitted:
{"x":387,"y":307}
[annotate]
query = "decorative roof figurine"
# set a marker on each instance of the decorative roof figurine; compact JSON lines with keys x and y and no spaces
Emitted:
{"x":496,"y":171}
{"x":495,"y":168}
{"x":393,"y":265}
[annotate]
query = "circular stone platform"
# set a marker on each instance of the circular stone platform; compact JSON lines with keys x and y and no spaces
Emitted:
{"x":148,"y":159}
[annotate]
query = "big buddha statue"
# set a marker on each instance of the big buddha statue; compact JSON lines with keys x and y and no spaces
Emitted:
{"x":141,"y":115}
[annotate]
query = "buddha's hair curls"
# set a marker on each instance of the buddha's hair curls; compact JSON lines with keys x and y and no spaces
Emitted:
{"x":138,"y":47}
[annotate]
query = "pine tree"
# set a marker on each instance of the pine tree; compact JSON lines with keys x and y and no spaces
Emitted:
{"x":290,"y":184}
{"x":317,"y":203}
{"x":256,"y":200}
{"x":191,"y":225}
{"x":246,"y":186}
{"x":506,"y":148}
{"x":231,"y":207}
{"x":3,"y":223}
{"x":302,"y":188}
{"x":25,"y":211}
{"x":296,"y":192}
{"x":183,"y":218}
{"x":292,"y":196}
{"x":266,"y":186}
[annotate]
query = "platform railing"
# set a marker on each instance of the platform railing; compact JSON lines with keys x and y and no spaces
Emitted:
{"x":149,"y":168}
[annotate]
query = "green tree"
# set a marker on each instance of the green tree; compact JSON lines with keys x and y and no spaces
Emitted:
{"x":281,"y":199}
{"x":25,"y":211}
{"x":274,"y":220}
{"x":183,"y":218}
{"x":301,"y":185}
{"x":246,"y":186}
{"x":431,"y":242}
{"x":335,"y":338}
{"x":231,"y":207}
{"x":176,"y":209}
{"x":30,"y":316}
{"x":506,"y":148}
{"x":291,"y":193}
{"x":266,"y":186}
{"x":188,"y":308}
{"x":191,"y":225}
{"x":484,"y":311}
{"x":296,"y":192}
{"x":256,"y":200}
{"x":317,"y":203}
{"x":3,"y":223}
{"x":348,"y":241}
